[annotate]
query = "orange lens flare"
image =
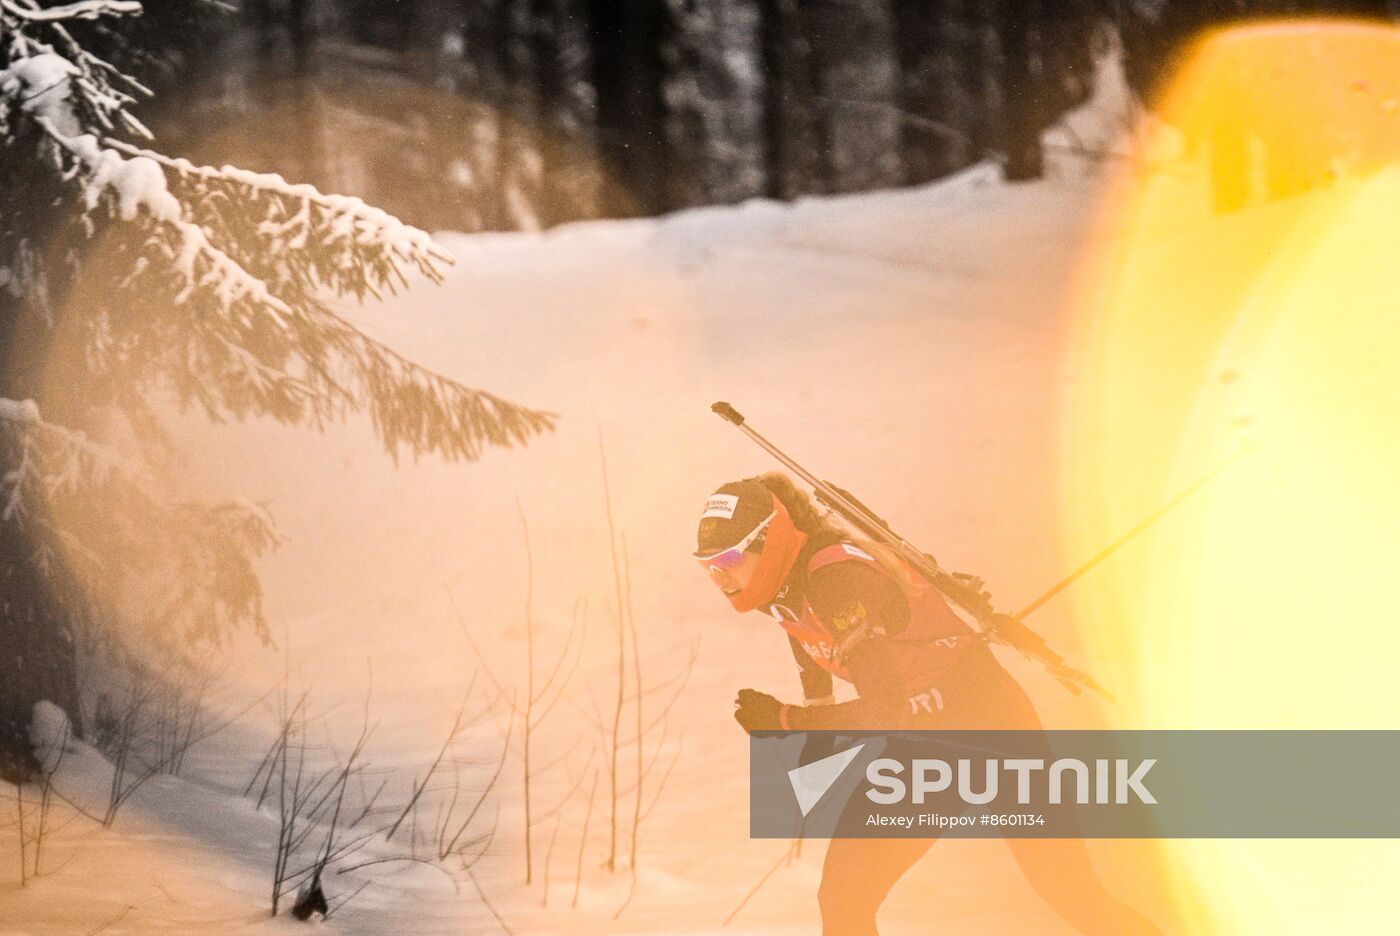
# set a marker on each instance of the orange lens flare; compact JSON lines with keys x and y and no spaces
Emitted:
{"x":1247,"y":293}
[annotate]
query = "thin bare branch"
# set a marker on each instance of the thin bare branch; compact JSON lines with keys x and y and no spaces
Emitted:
{"x":432,"y":768}
{"x":583,"y":840}
{"x":757,"y":887}
{"x":481,"y":657}
{"x":500,"y":921}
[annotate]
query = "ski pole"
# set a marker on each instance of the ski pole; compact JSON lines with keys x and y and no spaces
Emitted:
{"x":1133,"y":533}
{"x":965,"y":591}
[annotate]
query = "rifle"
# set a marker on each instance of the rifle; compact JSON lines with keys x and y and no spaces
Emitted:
{"x":967,"y":591}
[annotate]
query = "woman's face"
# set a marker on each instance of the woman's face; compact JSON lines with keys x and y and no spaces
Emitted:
{"x":731,"y":581}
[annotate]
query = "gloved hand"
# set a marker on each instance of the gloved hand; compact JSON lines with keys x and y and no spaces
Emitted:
{"x":757,"y":711}
{"x":819,"y":745}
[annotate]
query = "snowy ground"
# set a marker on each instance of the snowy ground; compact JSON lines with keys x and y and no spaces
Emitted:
{"x":908,"y":345}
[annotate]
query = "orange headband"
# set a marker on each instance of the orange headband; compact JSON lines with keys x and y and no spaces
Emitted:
{"x":781,"y":544}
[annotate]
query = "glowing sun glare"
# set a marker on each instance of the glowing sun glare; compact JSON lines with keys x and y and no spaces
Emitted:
{"x":1249,"y":295}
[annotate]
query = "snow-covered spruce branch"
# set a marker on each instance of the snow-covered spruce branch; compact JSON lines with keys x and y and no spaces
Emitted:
{"x":204,"y":550}
{"x":284,"y":219}
{"x":309,"y":365}
{"x":50,"y":460}
{"x":83,"y":10}
{"x":211,"y":587}
{"x":137,"y":186}
{"x":57,"y":77}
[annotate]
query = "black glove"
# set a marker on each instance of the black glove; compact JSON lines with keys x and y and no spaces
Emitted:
{"x":757,"y":711}
{"x":819,"y":745}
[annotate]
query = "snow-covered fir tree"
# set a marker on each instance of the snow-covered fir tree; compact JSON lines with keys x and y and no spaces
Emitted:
{"x":128,"y":276}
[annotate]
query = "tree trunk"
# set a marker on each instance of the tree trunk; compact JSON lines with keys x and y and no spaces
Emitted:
{"x":854,"y":48}
{"x":978,"y":55}
{"x":1020,"y":76}
{"x":774,"y":21}
{"x":551,"y":202}
{"x":1066,"y":56}
{"x":796,"y":128}
{"x":815,"y":22}
{"x":37,"y":659}
{"x":627,"y":46}
{"x":692,"y":94}
{"x":926,"y":38}
{"x":37,"y":653}
{"x":505,"y":34}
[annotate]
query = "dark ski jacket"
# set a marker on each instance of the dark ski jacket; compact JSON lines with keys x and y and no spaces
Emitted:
{"x":914,"y":663}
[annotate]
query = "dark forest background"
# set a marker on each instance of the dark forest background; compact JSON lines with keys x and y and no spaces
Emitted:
{"x":508,"y":114}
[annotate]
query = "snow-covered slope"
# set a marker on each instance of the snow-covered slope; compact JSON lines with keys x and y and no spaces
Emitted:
{"x":907,"y":345}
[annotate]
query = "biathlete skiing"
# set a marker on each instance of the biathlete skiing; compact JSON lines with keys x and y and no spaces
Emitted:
{"x":854,"y":610}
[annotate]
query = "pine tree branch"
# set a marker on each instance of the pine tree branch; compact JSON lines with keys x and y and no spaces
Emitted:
{"x":79,"y":457}
{"x":83,"y":10}
{"x":203,"y":551}
{"x":209,"y":284}
{"x":410,"y":406}
{"x":96,"y":79}
{"x":406,"y":242}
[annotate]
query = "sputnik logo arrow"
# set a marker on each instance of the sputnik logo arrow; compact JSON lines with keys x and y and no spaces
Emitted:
{"x":811,"y":781}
